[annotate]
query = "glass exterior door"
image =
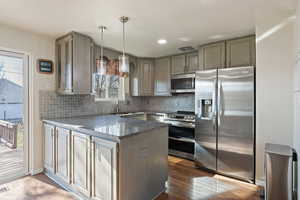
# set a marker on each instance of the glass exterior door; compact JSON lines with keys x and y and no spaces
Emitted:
{"x":13,"y":115}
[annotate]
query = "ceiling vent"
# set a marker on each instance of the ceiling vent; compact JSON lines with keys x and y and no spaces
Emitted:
{"x":187,"y":48}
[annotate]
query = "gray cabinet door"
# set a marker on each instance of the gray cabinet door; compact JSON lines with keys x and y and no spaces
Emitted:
{"x":147,"y":70}
{"x":212,"y":56}
{"x":241,"y":52}
{"x":104,"y":169}
{"x":135,"y":77}
{"x":162,"y":77}
{"x":178,"y":64}
{"x":63,"y":147}
{"x":49,"y":148}
{"x":81,"y":163}
{"x":82,"y":64}
{"x":192,"y":62}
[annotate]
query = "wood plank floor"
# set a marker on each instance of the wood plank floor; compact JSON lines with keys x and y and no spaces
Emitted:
{"x":11,"y":160}
{"x":185,"y":183}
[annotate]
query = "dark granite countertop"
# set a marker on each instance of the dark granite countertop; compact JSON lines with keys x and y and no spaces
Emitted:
{"x":111,"y":127}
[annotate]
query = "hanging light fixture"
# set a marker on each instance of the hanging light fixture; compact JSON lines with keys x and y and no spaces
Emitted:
{"x":123,"y":59}
{"x":101,"y":63}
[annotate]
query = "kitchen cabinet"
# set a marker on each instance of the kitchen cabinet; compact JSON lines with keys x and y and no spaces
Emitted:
{"x":192,"y":62}
{"x":74,"y":61}
{"x":129,"y":168}
{"x":212,"y":56}
{"x":141,"y":75}
{"x":135,"y":77}
{"x":147,"y":72}
{"x":162,"y":77}
{"x":49,"y":150}
{"x":178,"y":64}
{"x":104,"y":169}
{"x":143,"y":168}
{"x":81,"y":163}
{"x":62,"y":161}
{"x":240,"y":52}
{"x":185,"y":63}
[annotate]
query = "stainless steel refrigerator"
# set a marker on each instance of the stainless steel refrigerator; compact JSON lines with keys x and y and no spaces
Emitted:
{"x":225,"y":121}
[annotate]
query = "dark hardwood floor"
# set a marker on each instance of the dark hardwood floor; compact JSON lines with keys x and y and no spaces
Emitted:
{"x":185,"y":183}
{"x":188,"y":182}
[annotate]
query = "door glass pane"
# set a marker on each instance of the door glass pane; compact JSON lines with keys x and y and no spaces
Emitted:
{"x":11,"y":115}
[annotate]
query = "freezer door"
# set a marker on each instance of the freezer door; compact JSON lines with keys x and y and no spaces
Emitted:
{"x":205,"y":108}
{"x":236,"y":122}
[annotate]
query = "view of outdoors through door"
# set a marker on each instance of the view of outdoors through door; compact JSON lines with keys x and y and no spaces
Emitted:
{"x":12,"y":160}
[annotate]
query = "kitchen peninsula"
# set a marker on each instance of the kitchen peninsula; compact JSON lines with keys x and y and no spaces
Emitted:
{"x":107,"y":157}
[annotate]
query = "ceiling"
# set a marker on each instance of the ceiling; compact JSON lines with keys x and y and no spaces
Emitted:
{"x":180,"y":22}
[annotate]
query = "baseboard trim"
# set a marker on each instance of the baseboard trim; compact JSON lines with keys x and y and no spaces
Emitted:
{"x":36,"y":171}
{"x":260,"y":182}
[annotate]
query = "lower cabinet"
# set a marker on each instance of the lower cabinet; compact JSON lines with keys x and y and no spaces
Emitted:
{"x":104,"y":169}
{"x":81,"y":163}
{"x":49,"y":150}
{"x":86,"y":165}
{"x":63,"y":155}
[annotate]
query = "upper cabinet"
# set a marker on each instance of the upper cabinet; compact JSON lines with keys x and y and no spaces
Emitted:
{"x":192,"y":62}
{"x":231,"y":53}
{"x":185,"y":63}
{"x":135,"y":78}
{"x":147,"y":71}
{"x":162,"y":77}
{"x":74,"y":60}
{"x":212,"y":56}
{"x":178,"y":64}
{"x":240,"y":52}
{"x":141,"y":77}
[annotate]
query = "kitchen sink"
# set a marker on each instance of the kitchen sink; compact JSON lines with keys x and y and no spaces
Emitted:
{"x":146,"y":116}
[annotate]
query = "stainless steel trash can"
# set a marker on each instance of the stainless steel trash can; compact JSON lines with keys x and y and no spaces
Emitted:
{"x":280,"y":172}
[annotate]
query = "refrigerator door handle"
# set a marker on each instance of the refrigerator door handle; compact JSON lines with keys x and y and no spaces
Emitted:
{"x":219,"y":102}
{"x":214,"y":106}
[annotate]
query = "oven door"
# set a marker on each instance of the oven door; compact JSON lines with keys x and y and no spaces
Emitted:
{"x":181,"y":142}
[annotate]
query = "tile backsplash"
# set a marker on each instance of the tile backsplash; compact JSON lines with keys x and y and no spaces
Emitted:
{"x":183,"y":102}
{"x":53,"y":105}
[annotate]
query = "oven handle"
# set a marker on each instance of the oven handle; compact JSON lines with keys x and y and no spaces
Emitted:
{"x":180,"y":125}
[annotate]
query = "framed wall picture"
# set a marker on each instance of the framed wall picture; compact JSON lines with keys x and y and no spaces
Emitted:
{"x":45,"y":66}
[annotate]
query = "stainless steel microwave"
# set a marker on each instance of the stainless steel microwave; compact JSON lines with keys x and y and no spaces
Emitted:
{"x":183,"y":83}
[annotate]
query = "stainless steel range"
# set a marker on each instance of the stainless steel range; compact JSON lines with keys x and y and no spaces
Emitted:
{"x":181,"y":134}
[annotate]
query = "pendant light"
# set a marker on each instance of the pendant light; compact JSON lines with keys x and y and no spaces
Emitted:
{"x":123,"y":59}
{"x":101,"y":63}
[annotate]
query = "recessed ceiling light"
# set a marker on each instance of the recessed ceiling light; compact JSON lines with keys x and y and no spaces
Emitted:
{"x":162,"y":41}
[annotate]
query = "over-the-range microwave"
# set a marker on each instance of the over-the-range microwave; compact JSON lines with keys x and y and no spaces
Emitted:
{"x":183,"y":83}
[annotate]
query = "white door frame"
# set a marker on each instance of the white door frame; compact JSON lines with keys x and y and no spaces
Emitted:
{"x":27,"y":73}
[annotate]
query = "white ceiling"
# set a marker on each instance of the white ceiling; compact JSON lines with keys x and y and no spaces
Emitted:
{"x":180,"y":22}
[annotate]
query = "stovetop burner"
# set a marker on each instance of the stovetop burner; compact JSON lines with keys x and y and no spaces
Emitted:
{"x":185,"y":112}
{"x":183,"y":115}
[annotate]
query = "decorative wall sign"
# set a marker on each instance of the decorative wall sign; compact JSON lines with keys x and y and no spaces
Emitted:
{"x":45,"y":66}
